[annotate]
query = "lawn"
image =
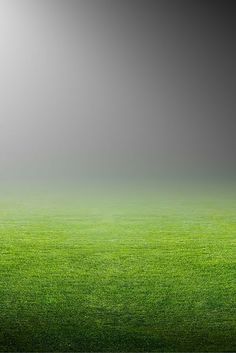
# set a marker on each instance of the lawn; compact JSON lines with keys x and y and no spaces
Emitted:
{"x":141,"y":272}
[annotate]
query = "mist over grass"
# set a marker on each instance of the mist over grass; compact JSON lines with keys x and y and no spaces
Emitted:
{"x":125,"y":268}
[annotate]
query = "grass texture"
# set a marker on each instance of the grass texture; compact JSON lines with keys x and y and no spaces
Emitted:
{"x":141,"y":273}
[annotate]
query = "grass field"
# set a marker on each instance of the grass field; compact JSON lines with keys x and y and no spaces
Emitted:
{"x":141,"y":272}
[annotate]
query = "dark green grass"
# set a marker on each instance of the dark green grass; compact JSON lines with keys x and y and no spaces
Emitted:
{"x":118,"y":274}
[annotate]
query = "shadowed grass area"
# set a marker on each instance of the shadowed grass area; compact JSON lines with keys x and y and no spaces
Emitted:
{"x":139,"y":273}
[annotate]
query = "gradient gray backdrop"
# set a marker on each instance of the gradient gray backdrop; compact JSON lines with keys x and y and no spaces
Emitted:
{"x":116,"y":88}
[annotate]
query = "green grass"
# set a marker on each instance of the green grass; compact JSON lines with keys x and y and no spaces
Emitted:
{"x":131,"y":274}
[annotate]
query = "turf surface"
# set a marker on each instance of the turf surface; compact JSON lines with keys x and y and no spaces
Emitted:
{"x":118,"y":274}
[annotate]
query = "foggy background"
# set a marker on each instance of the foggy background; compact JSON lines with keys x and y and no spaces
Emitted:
{"x":94,"y":89}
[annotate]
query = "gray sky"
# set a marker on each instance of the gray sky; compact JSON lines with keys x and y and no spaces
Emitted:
{"x":127,"y":88}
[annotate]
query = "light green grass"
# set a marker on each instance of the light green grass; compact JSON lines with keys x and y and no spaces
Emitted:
{"x":138,"y":273}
